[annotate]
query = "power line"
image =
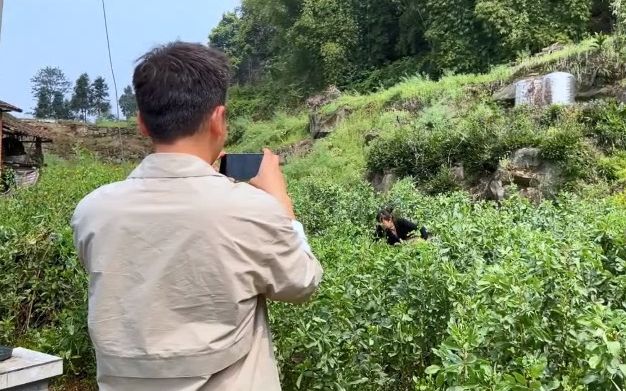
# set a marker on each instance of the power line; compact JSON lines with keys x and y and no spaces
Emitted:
{"x":106,"y":29}
{"x":117,"y":99}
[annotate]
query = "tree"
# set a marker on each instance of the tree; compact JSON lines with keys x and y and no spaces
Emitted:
{"x":531,"y":25}
{"x":46,"y":84}
{"x":226,"y":36}
{"x":44,"y":105}
{"x":81,"y":99}
{"x":100,"y":105}
{"x":128,"y":102}
{"x":61,"y":106}
{"x":295,"y":47}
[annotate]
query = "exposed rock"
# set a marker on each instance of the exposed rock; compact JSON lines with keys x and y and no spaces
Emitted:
{"x":528,"y":170}
{"x":495,"y":190}
{"x":371,"y":136}
{"x":458,"y":173}
{"x":321,"y":126}
{"x":329,"y":95}
{"x":549,"y":178}
{"x":298,"y":149}
{"x":523,"y":179}
{"x":601,"y":93}
{"x":543,"y":90}
{"x":490,"y":188}
{"x":505,"y":176}
{"x":525,"y":158}
{"x":505,"y":93}
{"x":383,"y":182}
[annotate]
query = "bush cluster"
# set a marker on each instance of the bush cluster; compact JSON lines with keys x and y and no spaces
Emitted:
{"x":480,"y":136}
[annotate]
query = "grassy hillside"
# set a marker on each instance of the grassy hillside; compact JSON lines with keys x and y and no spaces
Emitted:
{"x":427,"y":114}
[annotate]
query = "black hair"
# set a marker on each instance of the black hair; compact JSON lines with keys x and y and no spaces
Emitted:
{"x":384,"y":214}
{"x":177,"y":86}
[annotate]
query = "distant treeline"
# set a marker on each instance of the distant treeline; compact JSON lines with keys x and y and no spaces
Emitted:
{"x":305,"y":45}
{"x":57,"y":98}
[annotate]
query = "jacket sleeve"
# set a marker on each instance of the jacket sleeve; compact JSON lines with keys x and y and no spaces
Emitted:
{"x":282,"y":266}
{"x":407,"y":225}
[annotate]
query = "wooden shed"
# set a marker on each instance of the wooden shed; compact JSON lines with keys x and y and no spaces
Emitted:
{"x":21,"y":146}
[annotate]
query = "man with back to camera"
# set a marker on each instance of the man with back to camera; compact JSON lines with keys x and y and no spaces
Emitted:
{"x":181,"y":259}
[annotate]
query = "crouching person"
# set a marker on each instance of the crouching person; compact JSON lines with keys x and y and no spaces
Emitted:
{"x":397,"y":230}
{"x":181,"y":259}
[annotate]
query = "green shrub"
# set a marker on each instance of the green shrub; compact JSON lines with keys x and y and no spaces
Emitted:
{"x":606,"y":124}
{"x":442,"y":182}
{"x":262,"y":101}
{"x":480,"y":136}
{"x":236,"y":131}
{"x":44,"y":288}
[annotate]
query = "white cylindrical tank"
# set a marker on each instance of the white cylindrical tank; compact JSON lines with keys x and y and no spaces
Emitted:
{"x":560,"y":88}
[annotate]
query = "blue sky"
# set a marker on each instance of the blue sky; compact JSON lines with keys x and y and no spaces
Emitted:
{"x":70,"y":34}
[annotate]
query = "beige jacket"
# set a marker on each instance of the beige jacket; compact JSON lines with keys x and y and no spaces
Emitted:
{"x":180,"y":260}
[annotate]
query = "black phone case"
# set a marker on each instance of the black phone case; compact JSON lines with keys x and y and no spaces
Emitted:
{"x":241,"y":166}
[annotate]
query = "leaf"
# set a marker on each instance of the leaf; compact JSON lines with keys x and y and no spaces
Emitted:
{"x":360,"y":381}
{"x":622,"y":368}
{"x":299,"y":380}
{"x":591,"y":378}
{"x":594,"y":361}
{"x":519,"y":378}
{"x":614,"y":348}
{"x":431,"y":370}
{"x":553,"y":385}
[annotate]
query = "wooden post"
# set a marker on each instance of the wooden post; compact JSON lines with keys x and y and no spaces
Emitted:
{"x":38,"y":151}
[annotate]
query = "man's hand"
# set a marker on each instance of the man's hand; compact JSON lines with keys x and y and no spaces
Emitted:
{"x":215,"y":164}
{"x":271,"y":180}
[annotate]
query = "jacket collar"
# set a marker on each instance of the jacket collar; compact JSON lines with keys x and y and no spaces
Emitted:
{"x":173,"y":165}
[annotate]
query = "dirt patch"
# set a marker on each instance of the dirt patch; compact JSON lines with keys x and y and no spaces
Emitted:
{"x":74,"y":385}
{"x":299,"y":149}
{"x":412,"y":105}
{"x":109,"y":143}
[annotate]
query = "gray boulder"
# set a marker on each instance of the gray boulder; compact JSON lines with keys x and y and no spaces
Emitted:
{"x":526,"y":158}
{"x":321,"y":125}
{"x":495,"y":190}
{"x":383,"y":182}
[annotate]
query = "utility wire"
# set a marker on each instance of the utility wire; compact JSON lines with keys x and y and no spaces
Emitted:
{"x":106,"y":29}
{"x":117,"y":101}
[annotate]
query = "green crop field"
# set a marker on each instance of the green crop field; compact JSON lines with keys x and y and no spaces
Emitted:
{"x":517,"y":297}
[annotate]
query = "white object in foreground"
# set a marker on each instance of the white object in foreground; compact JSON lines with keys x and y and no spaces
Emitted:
{"x":27,"y":370}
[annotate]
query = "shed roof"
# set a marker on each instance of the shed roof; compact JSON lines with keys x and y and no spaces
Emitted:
{"x":12,"y":125}
{"x":6,"y":107}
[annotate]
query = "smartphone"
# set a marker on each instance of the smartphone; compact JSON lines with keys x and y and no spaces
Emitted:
{"x":241,"y":166}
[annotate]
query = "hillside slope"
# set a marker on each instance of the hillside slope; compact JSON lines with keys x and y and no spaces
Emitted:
{"x":422,"y":128}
